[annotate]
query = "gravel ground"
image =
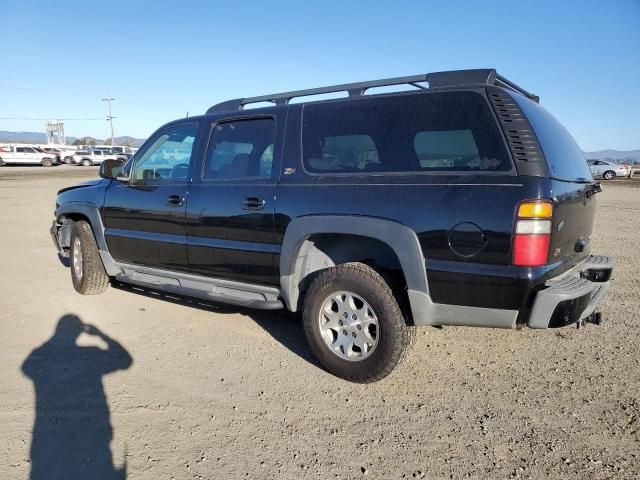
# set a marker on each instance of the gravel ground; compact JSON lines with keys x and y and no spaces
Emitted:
{"x":187,"y":391}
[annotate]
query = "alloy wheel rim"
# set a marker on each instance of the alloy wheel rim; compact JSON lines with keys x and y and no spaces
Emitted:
{"x":77,"y":258}
{"x":349,"y":326}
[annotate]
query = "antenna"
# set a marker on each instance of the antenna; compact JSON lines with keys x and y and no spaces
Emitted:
{"x":110,"y":117}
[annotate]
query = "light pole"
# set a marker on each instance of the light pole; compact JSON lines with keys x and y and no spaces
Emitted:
{"x":109,"y":117}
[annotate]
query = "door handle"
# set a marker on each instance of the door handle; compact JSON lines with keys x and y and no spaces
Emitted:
{"x":253,"y":203}
{"x":175,"y":200}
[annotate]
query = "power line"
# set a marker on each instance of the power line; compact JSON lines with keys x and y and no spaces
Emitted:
{"x":47,"y":92}
{"x":49,"y":118}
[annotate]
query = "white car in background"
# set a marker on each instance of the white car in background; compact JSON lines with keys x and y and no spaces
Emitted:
{"x":92,"y":157}
{"x":66,"y":154}
{"x":18,"y":155}
{"x":608,"y":170}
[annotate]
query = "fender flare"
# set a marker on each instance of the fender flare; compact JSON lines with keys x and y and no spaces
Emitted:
{"x":400,"y":238}
{"x":93,"y":214}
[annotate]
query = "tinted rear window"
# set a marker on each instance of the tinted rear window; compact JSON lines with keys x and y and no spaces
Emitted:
{"x":564,"y":157}
{"x":431,"y":132}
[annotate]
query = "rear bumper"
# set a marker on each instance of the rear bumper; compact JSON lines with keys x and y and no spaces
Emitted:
{"x":572,"y":296}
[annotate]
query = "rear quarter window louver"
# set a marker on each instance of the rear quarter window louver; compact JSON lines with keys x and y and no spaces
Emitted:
{"x":521,"y":139}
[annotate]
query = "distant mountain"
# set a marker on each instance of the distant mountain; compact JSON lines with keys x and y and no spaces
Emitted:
{"x":631,"y":156}
{"x":39,"y":137}
{"x":22,"y":137}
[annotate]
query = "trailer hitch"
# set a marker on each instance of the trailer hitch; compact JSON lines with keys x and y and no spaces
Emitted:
{"x":595,"y":318}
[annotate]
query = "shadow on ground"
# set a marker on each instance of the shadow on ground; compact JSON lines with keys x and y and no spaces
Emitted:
{"x":283,"y":326}
{"x":72,"y":429}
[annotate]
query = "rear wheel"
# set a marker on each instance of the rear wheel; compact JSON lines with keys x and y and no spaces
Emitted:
{"x":2,"y":164}
{"x":86,"y":163}
{"x":353,"y":323}
{"x":47,"y":162}
{"x":87,"y":271}
{"x":609,"y":175}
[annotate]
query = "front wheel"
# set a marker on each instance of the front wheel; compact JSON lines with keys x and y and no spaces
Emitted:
{"x":2,"y":164}
{"x":609,"y":175}
{"x":353,"y":323}
{"x":86,"y":163}
{"x":87,"y":271}
{"x":47,"y":162}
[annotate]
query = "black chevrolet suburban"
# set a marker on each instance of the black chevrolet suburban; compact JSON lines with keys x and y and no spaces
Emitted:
{"x":455,"y":201}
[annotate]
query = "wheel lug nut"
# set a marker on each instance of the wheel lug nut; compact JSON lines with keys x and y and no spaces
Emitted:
{"x":359,"y":327}
{"x":354,"y":316}
{"x":344,"y":331}
{"x":345,"y":315}
{"x":353,"y":334}
{"x":340,"y":322}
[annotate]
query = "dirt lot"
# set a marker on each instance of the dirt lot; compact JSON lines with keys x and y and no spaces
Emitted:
{"x":186,"y":392}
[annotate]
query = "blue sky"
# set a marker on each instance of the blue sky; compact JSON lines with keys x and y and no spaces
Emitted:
{"x":160,"y":60}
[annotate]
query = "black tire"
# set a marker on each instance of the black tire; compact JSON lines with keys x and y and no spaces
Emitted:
{"x":92,"y":278}
{"x":609,"y":175}
{"x":68,"y":160}
{"x":47,"y":162}
{"x":393,"y":334}
{"x":2,"y":164}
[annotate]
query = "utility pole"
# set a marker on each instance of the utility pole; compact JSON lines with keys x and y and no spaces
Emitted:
{"x":110,"y":117}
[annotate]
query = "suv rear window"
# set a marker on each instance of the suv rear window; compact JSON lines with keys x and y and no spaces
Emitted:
{"x":564,"y":157}
{"x":431,"y":132}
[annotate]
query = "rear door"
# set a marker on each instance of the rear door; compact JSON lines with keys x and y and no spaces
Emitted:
{"x":572,"y":186}
{"x":10,"y":155}
{"x":145,"y":216}
{"x":231,"y":200}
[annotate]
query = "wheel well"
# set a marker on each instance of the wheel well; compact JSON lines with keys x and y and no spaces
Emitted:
{"x":321,"y":251}
{"x":66,"y":221}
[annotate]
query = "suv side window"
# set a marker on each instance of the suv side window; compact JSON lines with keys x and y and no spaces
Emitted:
{"x":240,"y":149}
{"x":168,"y":157}
{"x":444,"y":132}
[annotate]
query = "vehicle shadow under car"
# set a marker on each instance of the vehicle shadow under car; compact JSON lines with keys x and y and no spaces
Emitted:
{"x":283,"y":325}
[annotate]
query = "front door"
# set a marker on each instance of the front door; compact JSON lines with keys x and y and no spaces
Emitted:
{"x":26,"y":155}
{"x":230,"y":230}
{"x":144,"y":217}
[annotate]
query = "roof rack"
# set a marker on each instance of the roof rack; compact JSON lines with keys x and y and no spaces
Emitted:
{"x":454,"y":78}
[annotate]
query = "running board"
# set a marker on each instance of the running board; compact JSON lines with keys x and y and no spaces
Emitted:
{"x":212,"y":289}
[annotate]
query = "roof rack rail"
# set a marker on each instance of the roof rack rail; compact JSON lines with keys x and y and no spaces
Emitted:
{"x":454,"y":78}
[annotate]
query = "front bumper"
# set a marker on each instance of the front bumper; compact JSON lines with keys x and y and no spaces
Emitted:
{"x":55,"y":236}
{"x":572,"y":296}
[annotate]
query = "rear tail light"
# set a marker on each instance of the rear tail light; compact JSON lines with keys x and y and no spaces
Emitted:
{"x":532,"y":235}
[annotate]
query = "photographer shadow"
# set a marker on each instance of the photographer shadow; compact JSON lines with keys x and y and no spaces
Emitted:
{"x":72,"y":430}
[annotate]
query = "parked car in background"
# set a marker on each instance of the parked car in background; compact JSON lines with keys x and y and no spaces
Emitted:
{"x":16,"y":155}
{"x":104,"y":148}
{"x":121,"y":149}
{"x":608,"y":170}
{"x":92,"y":157}
{"x":122,"y":152}
{"x":67,"y":154}
{"x":52,"y":151}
